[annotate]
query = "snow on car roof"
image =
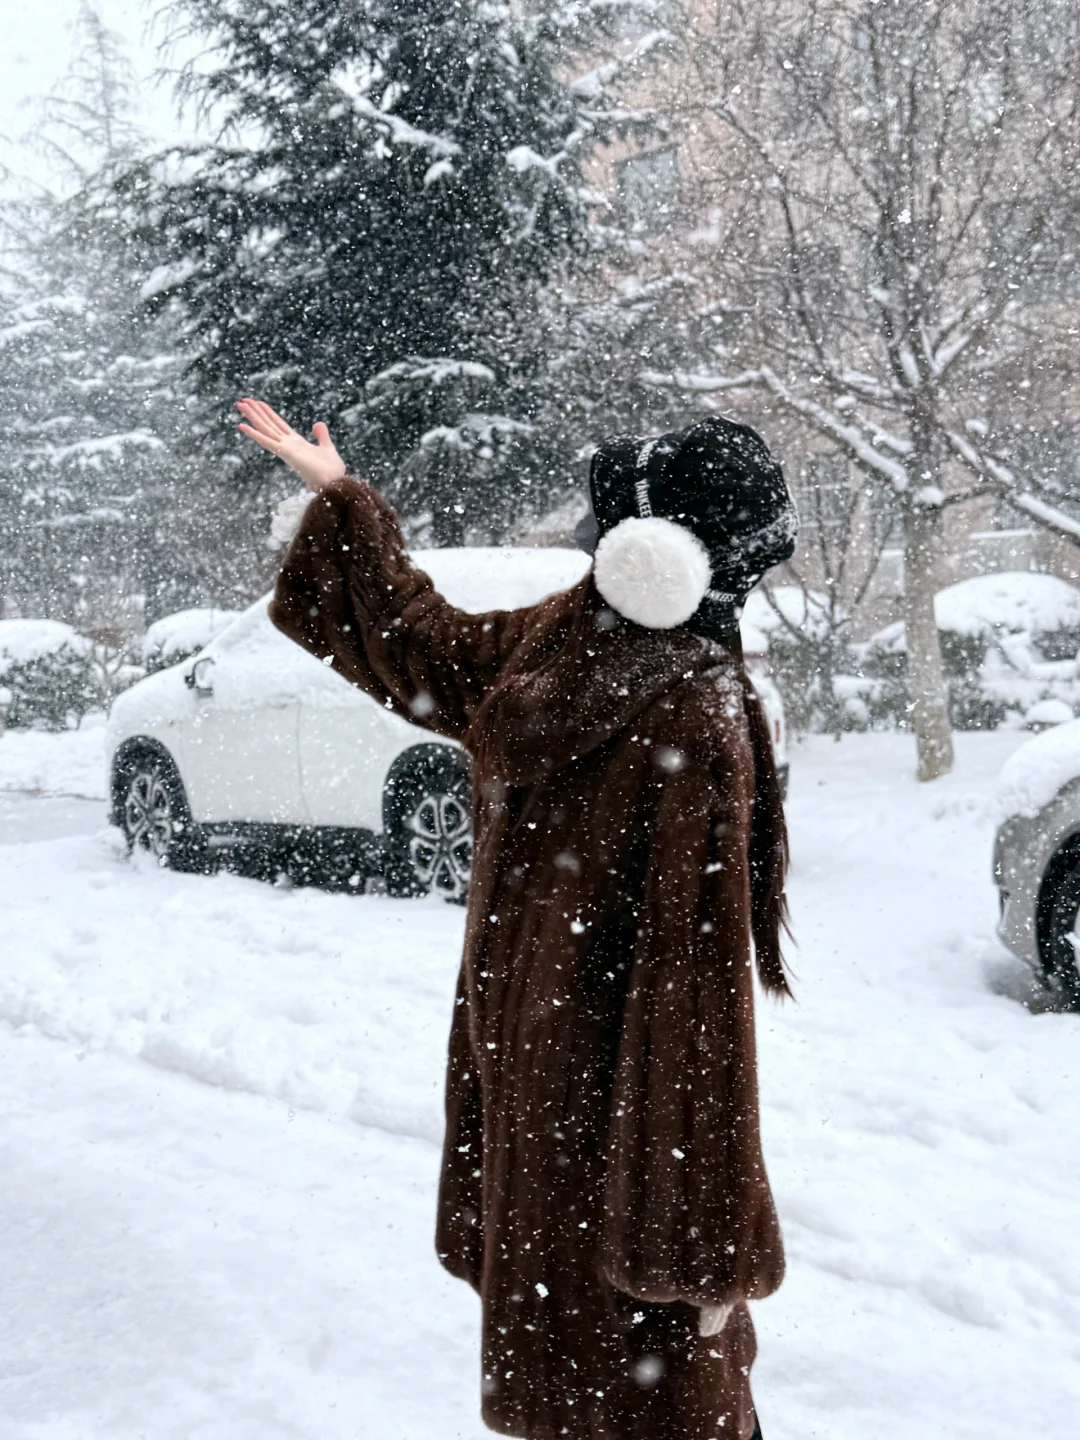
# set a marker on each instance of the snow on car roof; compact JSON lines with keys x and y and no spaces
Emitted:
{"x":504,"y":577}
{"x":508,"y":577}
{"x":185,"y":631}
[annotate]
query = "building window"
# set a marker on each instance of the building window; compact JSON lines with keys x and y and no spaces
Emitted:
{"x":649,"y":187}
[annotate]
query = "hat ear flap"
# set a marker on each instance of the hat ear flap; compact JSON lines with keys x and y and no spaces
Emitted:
{"x":652,"y":571}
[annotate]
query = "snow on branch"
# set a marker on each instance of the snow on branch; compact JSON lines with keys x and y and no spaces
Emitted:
{"x":413,"y":375}
{"x":868,"y":387}
{"x":431,"y":372}
{"x":11,"y":334}
{"x":474,"y":430}
{"x":164,"y":278}
{"x":1048,"y":515}
{"x":92,"y":451}
{"x":945,"y":354}
{"x":696,"y":383}
{"x":524,"y":157}
{"x":1008,"y":485}
{"x":860,"y":446}
{"x":401,"y":132}
{"x":594,"y":83}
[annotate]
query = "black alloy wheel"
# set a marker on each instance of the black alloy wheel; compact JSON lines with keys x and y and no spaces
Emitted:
{"x":429,"y":843}
{"x":154,"y":814}
{"x":1058,"y":926}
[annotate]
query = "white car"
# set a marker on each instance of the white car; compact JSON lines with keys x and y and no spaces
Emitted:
{"x":256,"y":749}
{"x":1037,"y":858}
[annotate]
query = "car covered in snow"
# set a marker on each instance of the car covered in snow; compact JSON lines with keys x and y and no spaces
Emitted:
{"x":185,"y":632}
{"x":254,"y":748}
{"x":1037,"y":856}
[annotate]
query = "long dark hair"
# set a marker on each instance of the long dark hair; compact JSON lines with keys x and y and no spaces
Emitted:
{"x":768,"y":850}
{"x":768,"y":859}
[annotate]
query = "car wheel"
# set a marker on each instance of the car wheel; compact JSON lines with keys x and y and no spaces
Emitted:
{"x":154,"y":814}
{"x":428,"y":826}
{"x":1058,"y":926}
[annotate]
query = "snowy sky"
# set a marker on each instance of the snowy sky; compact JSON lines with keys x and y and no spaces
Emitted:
{"x":35,"y":53}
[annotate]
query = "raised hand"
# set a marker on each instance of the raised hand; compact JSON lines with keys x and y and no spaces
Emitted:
{"x":317,"y":465}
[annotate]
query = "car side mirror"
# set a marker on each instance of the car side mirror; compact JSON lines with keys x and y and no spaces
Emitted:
{"x":200,"y":677}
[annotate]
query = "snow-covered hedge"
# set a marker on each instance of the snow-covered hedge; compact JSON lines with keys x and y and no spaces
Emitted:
{"x":174,"y":637}
{"x":784,"y":610}
{"x":1009,"y":645}
{"x":805,"y":640}
{"x":48,"y":674}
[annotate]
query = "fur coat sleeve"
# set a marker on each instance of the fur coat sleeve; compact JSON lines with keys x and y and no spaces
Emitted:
{"x":349,"y":593}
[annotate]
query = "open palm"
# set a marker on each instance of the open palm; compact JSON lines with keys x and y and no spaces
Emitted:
{"x":317,"y":464}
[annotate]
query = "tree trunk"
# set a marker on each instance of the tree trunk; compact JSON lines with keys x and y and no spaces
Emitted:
{"x":927,"y":690}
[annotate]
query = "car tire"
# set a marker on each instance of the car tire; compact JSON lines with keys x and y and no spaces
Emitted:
{"x":427,"y":825}
{"x":152,"y":810}
{"x":1056,"y":925}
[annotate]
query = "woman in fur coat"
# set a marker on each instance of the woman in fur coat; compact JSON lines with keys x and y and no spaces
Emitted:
{"x":603,"y":1187}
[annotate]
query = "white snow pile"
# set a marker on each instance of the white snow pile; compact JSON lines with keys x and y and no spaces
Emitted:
{"x":316,"y":1000}
{"x":1045,"y":713}
{"x":37,"y":762}
{"x":176,"y":636}
{"x":1032,"y":776}
{"x":1028,"y":626}
{"x":24,"y":641}
{"x":251,"y":1256}
{"x":1012,"y":602}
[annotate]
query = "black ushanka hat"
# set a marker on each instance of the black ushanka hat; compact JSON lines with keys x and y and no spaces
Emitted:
{"x":688,"y":522}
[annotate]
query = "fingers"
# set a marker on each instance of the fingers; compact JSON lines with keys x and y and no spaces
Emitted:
{"x":322,"y":436}
{"x":268,"y":442}
{"x":260,"y":415}
{"x":272,"y":418}
{"x":249,"y":410}
{"x":317,"y":465}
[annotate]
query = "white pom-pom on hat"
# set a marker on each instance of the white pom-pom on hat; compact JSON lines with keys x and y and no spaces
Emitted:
{"x":285,"y":521}
{"x":652,"y":571}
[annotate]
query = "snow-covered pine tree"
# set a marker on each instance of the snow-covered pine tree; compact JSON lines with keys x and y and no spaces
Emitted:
{"x":95,"y":474}
{"x":68,"y":462}
{"x":392,"y":186}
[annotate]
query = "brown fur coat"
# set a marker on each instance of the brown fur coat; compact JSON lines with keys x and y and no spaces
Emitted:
{"x":602,"y":1172}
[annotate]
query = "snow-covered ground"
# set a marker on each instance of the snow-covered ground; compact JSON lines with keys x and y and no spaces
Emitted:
{"x":220,"y":1109}
{"x":72,"y":764}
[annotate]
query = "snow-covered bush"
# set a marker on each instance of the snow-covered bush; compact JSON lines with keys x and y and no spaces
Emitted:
{"x":805,"y":636}
{"x":1009,"y":643}
{"x":48,"y":673}
{"x":174,"y":637}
